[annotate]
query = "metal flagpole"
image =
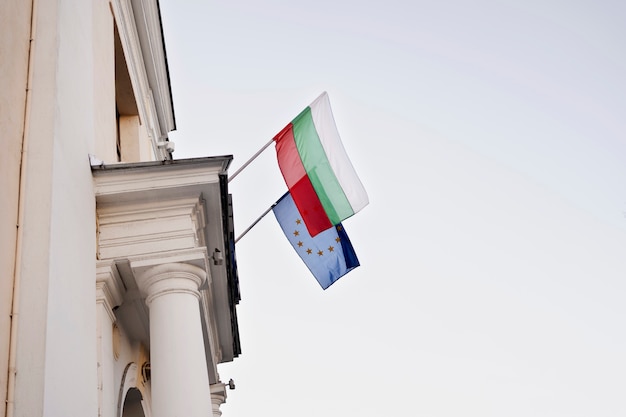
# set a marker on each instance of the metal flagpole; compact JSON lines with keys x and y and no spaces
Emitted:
{"x":248,"y":163}
{"x":255,"y":222}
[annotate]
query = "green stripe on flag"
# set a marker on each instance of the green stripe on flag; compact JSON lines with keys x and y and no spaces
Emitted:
{"x":318,"y":168}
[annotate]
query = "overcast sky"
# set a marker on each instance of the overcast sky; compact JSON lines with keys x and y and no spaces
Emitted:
{"x":491,"y":138}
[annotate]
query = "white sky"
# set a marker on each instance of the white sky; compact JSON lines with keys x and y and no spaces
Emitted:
{"x":491,"y":137}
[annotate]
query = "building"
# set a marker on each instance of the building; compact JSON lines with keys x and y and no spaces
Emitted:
{"x":118,"y":280}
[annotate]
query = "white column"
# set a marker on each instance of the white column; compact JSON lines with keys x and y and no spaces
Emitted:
{"x":180,"y":380}
{"x":218,"y":397}
{"x":217,"y":400}
{"x":108,"y":295}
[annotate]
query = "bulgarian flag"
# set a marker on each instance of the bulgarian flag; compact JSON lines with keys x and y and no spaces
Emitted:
{"x":317,"y":170}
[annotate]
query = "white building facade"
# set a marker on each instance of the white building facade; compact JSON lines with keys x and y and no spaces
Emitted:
{"x":118,"y":280}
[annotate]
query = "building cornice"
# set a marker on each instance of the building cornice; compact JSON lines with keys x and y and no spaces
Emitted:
{"x":150,"y":30}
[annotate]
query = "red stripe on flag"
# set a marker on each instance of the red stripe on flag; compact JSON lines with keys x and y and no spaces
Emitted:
{"x":310,"y":207}
{"x":288,"y":157}
{"x":299,"y":184}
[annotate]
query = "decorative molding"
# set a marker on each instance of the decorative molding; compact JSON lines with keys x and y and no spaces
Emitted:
{"x":139,"y":229}
{"x":194,"y":258}
{"x":149,"y":181}
{"x":109,"y":287}
{"x":170,"y":278}
{"x":218,"y":397}
{"x":132,"y":47}
{"x":129,"y":380}
{"x":155,"y":52}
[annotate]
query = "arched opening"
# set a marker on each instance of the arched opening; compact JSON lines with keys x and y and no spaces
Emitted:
{"x":132,"y":404}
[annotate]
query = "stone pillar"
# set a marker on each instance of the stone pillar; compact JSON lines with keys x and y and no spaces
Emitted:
{"x":218,"y":397}
{"x":108,"y":295}
{"x":179,"y":376}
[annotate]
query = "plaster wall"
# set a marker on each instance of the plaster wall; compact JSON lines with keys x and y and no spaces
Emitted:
{"x":135,"y":142}
{"x":104,"y":85}
{"x":14,"y":41}
{"x":56,"y":361}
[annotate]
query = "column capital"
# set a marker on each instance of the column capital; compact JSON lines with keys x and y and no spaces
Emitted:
{"x":177,"y":348}
{"x":171,"y":278}
{"x":218,"y":397}
{"x":109,"y":288}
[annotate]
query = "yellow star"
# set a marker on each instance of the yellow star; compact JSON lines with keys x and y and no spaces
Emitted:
{"x":320,"y":252}
{"x":339,"y":228}
{"x":337,"y":239}
{"x":331,"y":248}
{"x":298,"y":221}
{"x":296,"y":233}
{"x":300,"y":244}
{"x":309,"y":251}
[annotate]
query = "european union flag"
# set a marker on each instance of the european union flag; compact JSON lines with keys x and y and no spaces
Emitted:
{"x":329,"y":255}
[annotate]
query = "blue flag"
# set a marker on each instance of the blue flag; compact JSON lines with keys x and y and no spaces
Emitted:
{"x":329,"y":255}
